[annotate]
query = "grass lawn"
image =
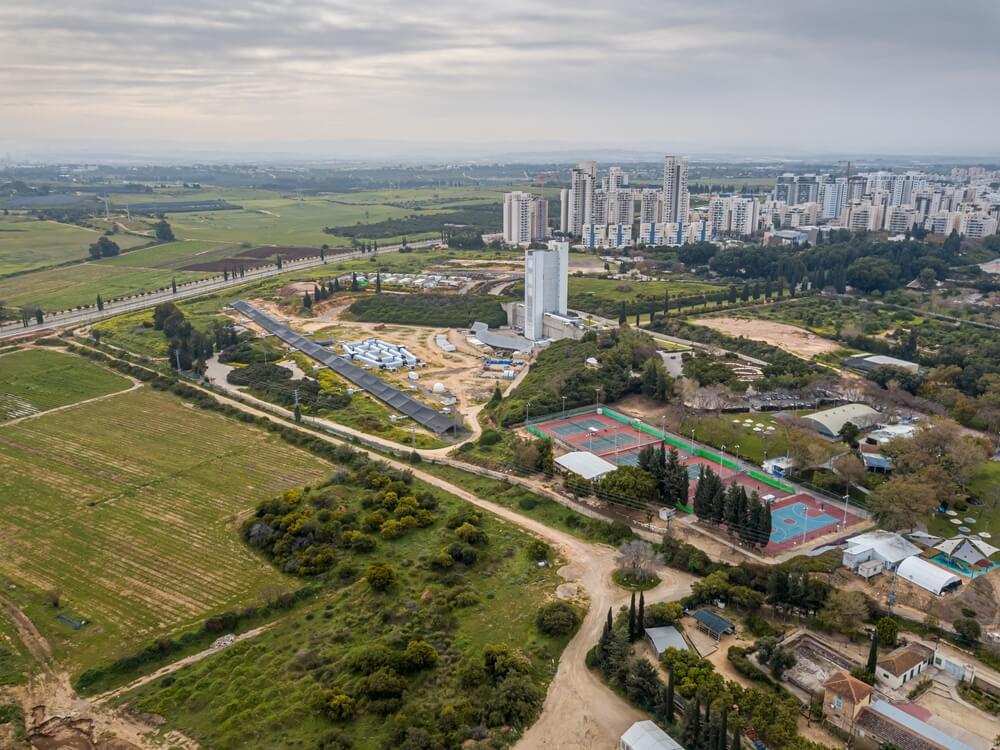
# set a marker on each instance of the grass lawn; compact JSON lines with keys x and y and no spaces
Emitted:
{"x":172,"y":254}
{"x":264,"y":692}
{"x":27,"y":243}
{"x":63,"y":288}
{"x":633,"y":291}
{"x":34,"y":380}
{"x":128,"y":508}
{"x":987,"y":477}
{"x":721,"y":430}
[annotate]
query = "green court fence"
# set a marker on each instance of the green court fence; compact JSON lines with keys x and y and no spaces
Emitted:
{"x":667,"y":438}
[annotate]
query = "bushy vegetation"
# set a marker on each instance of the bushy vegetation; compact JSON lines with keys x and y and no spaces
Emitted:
{"x":561,"y":370}
{"x":399,"y":659}
{"x":274,"y":383}
{"x":441,"y":310}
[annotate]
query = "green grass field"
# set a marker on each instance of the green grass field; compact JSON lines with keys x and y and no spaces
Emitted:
{"x":267,"y":218}
{"x":632,"y":291}
{"x":73,"y":286}
{"x":27,"y":243}
{"x":128,"y":507}
{"x":987,"y":520}
{"x":14,"y":657}
{"x":264,"y":692}
{"x":34,"y":380}
{"x":721,"y":430}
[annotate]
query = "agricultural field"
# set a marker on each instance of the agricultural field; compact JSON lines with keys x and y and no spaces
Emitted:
{"x":36,"y":380}
{"x":270,"y":691}
{"x":126,"y":511}
{"x":73,"y":286}
{"x":206,"y":239}
{"x":27,"y":243}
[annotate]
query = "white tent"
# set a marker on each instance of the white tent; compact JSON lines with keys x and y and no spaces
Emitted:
{"x":585,"y":464}
{"x":927,"y":575}
{"x":645,"y":735}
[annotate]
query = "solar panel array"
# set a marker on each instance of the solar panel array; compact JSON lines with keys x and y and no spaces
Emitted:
{"x":420,"y":413}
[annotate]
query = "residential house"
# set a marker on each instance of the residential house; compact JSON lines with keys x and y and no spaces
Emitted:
{"x":843,"y":698}
{"x":902,"y":665}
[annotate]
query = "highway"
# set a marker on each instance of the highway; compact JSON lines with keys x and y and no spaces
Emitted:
{"x":74,"y":318}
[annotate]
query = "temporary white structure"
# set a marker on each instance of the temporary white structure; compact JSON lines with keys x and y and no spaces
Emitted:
{"x":585,"y":464}
{"x":927,"y":575}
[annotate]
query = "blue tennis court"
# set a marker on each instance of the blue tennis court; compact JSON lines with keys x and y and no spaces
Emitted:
{"x":789,"y":522}
{"x":575,"y":428}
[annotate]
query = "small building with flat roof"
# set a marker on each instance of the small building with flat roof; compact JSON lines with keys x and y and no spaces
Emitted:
{"x":645,"y":735}
{"x":665,"y":637}
{"x":882,"y":546}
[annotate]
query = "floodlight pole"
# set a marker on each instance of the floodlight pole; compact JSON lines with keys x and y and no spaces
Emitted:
{"x":527,"y":405}
{"x":846,"y":496}
{"x":564,"y":406}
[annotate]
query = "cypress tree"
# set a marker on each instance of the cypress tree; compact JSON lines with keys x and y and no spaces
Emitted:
{"x":873,"y":655}
{"x":378,"y":282}
{"x":723,"y":728}
{"x":668,"y":710}
{"x":100,"y":303}
{"x":631,"y":620}
{"x":611,"y":621}
{"x":641,"y":619}
{"x":736,"y":736}
{"x":298,"y":413}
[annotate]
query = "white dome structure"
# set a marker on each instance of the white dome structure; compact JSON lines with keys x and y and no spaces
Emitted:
{"x":439,"y":388}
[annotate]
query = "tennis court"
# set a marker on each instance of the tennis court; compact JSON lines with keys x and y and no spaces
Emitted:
{"x":599,"y":434}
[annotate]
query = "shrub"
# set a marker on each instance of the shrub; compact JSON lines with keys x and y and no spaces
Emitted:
{"x":968,"y":628}
{"x":663,"y":613}
{"x":471,"y":534}
{"x":380,"y":577}
{"x":490,"y":437}
{"x":339,"y":707}
{"x":538,"y":550}
{"x":419,"y":654}
{"x":391,"y":529}
{"x":556,"y":619}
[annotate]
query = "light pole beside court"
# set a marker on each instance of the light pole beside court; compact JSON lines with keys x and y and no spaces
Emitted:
{"x":527,"y":405}
{"x":564,"y":406}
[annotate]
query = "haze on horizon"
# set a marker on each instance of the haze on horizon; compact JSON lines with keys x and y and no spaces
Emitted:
{"x":782,"y":77}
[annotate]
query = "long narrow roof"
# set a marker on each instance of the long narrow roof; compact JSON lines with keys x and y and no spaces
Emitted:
{"x":835,"y":418}
{"x":906,"y":731}
{"x":419,"y":412}
{"x":926,"y":575}
{"x":586,"y":464}
{"x":715,"y":623}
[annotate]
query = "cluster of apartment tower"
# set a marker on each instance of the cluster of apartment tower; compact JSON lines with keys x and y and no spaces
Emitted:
{"x":603,"y":213}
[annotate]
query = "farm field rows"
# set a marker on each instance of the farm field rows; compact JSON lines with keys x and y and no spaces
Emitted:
{"x":128,"y":508}
{"x":36,"y":380}
{"x":27,"y":243}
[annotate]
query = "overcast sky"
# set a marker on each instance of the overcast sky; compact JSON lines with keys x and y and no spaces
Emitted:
{"x":774,"y":77}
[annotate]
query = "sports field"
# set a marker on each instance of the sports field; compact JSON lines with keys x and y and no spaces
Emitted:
{"x":799,"y":519}
{"x":796,"y":517}
{"x":36,"y":380}
{"x":129,"y":507}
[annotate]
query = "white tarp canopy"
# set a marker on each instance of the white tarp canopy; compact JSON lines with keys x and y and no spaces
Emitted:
{"x":889,"y":547}
{"x":585,"y":464}
{"x":927,"y":575}
{"x":645,"y":735}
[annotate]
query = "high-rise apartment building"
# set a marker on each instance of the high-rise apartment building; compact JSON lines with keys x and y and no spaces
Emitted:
{"x":525,"y":218}
{"x":621,"y":207}
{"x":581,"y":196}
{"x":617,"y":179}
{"x":676,"y":201}
{"x":834,"y":198}
{"x":546,"y":277}
{"x":650,"y":206}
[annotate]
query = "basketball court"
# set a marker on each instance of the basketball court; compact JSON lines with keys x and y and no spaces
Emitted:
{"x":798,"y":519}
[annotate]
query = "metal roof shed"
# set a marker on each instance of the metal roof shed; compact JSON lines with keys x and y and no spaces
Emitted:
{"x":665,"y":637}
{"x":645,"y":735}
{"x":713,"y":624}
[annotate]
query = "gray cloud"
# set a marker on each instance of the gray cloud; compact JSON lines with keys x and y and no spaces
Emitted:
{"x":819,"y":76}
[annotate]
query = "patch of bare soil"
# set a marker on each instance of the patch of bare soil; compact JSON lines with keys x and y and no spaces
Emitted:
{"x":792,"y":339}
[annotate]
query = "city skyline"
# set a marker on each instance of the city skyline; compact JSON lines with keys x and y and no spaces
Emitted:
{"x":331,"y":80}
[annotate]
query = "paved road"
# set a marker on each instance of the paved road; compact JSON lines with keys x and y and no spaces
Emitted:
{"x":79,"y":317}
